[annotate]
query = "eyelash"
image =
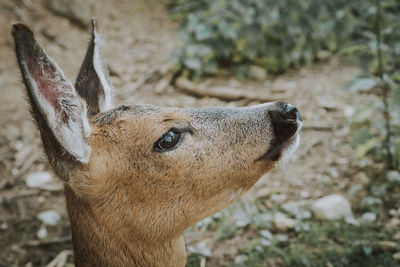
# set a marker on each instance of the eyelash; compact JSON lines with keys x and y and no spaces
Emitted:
{"x":165,"y":145}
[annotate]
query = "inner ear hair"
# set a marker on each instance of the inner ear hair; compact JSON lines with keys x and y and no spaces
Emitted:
{"x":93,"y":83}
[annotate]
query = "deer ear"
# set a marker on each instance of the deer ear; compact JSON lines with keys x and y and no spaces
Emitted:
{"x":60,"y":114}
{"x":93,"y":83}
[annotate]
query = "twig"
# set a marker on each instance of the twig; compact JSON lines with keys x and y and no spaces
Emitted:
{"x":162,"y":71}
{"x":203,"y":262}
{"x":60,"y":259}
{"x":28,"y":163}
{"x":38,"y":243}
{"x":224,"y":93}
{"x":163,"y":83}
{"x":317,"y":126}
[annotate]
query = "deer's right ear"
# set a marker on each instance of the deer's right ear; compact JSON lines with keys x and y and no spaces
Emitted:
{"x":59,"y":112}
{"x":93,"y":83}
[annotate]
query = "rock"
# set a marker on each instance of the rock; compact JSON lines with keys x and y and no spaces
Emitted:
{"x":368,"y":217}
{"x":304,"y":194}
{"x":393,"y":176}
{"x":324,"y":55}
{"x":240,"y":259}
{"x":4,"y":226}
{"x":267,"y":234}
{"x":388,"y":245}
{"x":258,"y":73}
{"x":262,"y":193}
{"x":42,"y":233}
{"x":275,"y":262}
{"x":393,"y":224}
{"x":298,"y":209}
{"x":278,"y":198}
{"x":282,"y":222}
{"x":396,"y":236}
{"x":43,"y":180}
{"x":396,"y":256}
{"x":371,"y":202}
{"x":76,"y":11}
{"x":332,"y":207}
{"x":49,"y":217}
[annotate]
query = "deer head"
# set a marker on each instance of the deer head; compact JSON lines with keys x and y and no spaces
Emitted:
{"x":144,"y":173}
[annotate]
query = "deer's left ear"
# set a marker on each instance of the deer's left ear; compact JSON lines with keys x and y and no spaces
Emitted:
{"x":93,"y":83}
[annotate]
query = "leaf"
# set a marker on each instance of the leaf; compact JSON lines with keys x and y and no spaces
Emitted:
{"x":366,"y":147}
{"x":360,"y":84}
{"x":193,"y":63}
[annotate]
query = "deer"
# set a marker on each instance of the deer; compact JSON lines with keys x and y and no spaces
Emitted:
{"x":136,"y":176}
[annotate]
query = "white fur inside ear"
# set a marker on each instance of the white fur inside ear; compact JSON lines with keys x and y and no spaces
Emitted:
{"x":106,"y":101}
{"x":71,"y":132}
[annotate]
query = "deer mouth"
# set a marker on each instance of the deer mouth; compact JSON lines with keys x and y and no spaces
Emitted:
{"x":283,"y":150}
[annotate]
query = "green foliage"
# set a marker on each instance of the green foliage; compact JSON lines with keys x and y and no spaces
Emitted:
{"x":378,"y":51}
{"x":337,"y":243}
{"x":275,"y":35}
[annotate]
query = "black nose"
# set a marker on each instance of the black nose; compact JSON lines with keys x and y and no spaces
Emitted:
{"x":285,"y":120}
{"x":290,"y":112}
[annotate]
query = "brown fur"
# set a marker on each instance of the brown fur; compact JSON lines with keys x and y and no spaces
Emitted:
{"x":129,"y":204}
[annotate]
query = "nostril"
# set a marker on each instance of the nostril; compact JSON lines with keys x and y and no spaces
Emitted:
{"x":290,"y":112}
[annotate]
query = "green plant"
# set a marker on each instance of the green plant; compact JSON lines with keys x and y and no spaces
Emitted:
{"x":378,"y":52}
{"x":275,"y":35}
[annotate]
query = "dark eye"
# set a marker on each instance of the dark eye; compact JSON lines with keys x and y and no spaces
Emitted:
{"x":169,"y":141}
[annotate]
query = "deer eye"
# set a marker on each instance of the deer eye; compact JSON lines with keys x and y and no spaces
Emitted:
{"x":169,"y":141}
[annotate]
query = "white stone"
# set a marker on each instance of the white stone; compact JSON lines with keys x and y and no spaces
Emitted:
{"x":43,"y":180}
{"x":258,"y":73}
{"x":332,"y":207}
{"x":368,"y":217}
{"x":278,"y":198}
{"x":42,"y":233}
{"x":49,"y":217}
{"x":396,"y":256}
{"x":36,"y":179}
{"x":282,"y":222}
{"x":393,"y":176}
{"x":267,"y":234}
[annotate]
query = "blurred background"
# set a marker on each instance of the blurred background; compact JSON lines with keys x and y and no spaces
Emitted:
{"x":336,"y":204}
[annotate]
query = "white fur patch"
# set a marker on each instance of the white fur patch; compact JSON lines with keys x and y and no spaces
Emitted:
{"x":106,"y":101}
{"x":289,"y":150}
{"x":71,"y":134}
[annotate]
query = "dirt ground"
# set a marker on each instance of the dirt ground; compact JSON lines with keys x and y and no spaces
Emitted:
{"x":139,"y":37}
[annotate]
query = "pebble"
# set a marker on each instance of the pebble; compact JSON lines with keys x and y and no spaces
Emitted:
{"x":258,"y":73}
{"x":279,"y":198}
{"x":332,"y":207}
{"x":42,"y":233}
{"x":49,"y":217}
{"x":393,"y":176}
{"x":282,"y":222}
{"x":396,"y":256}
{"x":368,"y":217}
{"x":43,"y":180}
{"x":37,"y":179}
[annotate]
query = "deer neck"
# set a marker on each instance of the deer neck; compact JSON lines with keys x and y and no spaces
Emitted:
{"x":95,"y":244}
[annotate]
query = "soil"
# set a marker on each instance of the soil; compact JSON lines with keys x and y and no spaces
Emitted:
{"x":139,"y":37}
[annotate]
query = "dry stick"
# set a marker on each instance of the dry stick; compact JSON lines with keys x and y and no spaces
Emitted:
{"x":385,"y":86}
{"x":223,"y":93}
{"x":38,"y":243}
{"x":162,"y":70}
{"x":60,"y":259}
{"x":317,"y":126}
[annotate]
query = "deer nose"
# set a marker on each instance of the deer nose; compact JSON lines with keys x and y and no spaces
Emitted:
{"x":285,"y":120}
{"x":290,"y":112}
